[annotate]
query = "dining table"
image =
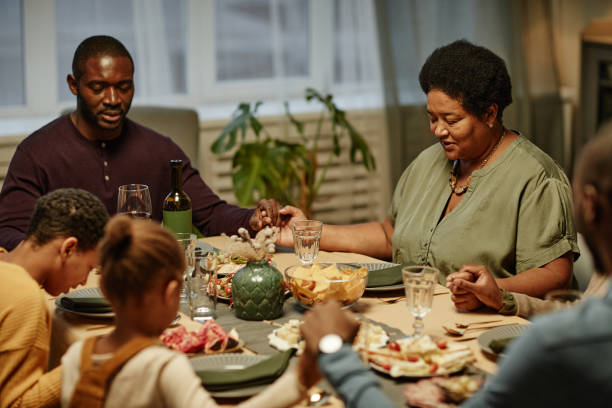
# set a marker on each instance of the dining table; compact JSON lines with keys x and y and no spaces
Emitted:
{"x":384,"y":307}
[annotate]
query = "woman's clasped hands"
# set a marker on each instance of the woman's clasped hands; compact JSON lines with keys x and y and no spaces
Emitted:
{"x":473,"y":286}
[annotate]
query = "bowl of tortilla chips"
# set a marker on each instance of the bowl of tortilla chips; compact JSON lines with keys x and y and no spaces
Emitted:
{"x":317,"y":283}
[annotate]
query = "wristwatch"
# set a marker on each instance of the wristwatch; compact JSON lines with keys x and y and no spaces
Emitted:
{"x":330,"y":343}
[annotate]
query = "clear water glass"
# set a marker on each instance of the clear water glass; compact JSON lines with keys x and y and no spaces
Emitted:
{"x":564,"y":295}
{"x":306,"y":238}
{"x":202,"y":272}
{"x":419,"y":299}
{"x":134,"y":200}
{"x":421,"y":271}
{"x":188,"y":243}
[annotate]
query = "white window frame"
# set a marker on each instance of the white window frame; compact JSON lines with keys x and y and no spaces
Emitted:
{"x":203,"y":90}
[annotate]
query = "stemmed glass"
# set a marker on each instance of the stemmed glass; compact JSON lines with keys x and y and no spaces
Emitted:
{"x":421,"y":271}
{"x":419,"y":283}
{"x":419,"y":297}
{"x":306,"y":237}
{"x":134,"y":200}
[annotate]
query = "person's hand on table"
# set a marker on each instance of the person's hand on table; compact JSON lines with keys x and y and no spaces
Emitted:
{"x":462,"y":298}
{"x":266,"y":213}
{"x":477,"y":281}
{"x":287,"y":214}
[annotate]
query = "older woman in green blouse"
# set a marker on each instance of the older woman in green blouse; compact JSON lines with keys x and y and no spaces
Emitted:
{"x":482,"y":197}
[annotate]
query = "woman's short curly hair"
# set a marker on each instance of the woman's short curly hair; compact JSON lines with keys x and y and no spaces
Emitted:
{"x":471,"y":74}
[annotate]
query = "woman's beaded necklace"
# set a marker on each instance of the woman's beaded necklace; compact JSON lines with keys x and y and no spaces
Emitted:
{"x":452,"y":181}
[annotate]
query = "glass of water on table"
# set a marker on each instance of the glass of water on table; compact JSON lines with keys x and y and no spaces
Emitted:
{"x":306,"y":238}
{"x":188,"y":242}
{"x":202,"y":277}
{"x":419,"y":283}
{"x":134,"y":200}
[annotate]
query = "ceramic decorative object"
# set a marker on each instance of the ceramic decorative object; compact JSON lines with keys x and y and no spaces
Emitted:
{"x":257,"y":289}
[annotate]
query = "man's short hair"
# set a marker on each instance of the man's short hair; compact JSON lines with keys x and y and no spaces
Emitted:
{"x":97,"y":46}
{"x":68,"y":212}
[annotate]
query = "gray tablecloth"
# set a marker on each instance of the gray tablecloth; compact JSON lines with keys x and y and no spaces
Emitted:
{"x":255,"y":337}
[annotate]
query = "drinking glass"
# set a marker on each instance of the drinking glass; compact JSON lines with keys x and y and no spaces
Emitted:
{"x":306,"y":237}
{"x":419,"y":298}
{"x":188,"y":243}
{"x":564,"y":295}
{"x":134,"y":200}
{"x":202,"y":272}
{"x":421,"y":271}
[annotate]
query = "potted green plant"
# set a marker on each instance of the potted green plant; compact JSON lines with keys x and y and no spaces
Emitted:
{"x":277,"y":168}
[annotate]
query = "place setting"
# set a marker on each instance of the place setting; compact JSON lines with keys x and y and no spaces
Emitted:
{"x":86,"y":302}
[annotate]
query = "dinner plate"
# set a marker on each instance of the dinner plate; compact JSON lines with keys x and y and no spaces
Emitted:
{"x":229,"y":362}
{"x":375,"y":266}
{"x":81,"y":293}
{"x":498,"y":333}
{"x":407,"y":375}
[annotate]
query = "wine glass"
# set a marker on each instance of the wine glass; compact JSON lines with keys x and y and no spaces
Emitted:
{"x":306,"y":237}
{"x":134,"y":200}
{"x":419,"y":298}
{"x":421,"y":271}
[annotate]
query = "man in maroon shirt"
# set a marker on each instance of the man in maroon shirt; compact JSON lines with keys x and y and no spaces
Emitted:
{"x":97,"y":148}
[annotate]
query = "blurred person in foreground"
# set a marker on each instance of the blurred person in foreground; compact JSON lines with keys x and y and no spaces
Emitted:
{"x":58,"y":252}
{"x":97,"y":148}
{"x":141,"y":268}
{"x":482,"y":195}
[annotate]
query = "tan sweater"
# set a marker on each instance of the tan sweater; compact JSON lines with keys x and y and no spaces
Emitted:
{"x":25,"y":330}
{"x":159,"y":377}
{"x":527,"y":306}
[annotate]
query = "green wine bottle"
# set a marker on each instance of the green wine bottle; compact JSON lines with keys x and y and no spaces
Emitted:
{"x":177,"y":204}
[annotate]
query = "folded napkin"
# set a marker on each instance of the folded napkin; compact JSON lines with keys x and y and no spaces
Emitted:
{"x":500,"y":345}
{"x":264,"y":372}
{"x":387,"y":276}
{"x":94,"y":304}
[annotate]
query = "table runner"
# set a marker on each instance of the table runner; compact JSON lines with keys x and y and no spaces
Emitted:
{"x":255,"y":336}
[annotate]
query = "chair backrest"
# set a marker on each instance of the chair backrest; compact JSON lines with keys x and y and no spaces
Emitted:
{"x":179,"y":124}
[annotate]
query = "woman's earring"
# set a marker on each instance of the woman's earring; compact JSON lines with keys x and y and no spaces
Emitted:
{"x":490,"y":125}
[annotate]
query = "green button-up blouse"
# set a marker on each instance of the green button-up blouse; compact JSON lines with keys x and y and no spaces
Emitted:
{"x":516,"y":214}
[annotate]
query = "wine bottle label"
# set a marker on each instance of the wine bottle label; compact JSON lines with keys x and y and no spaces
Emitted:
{"x":178,"y":221}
